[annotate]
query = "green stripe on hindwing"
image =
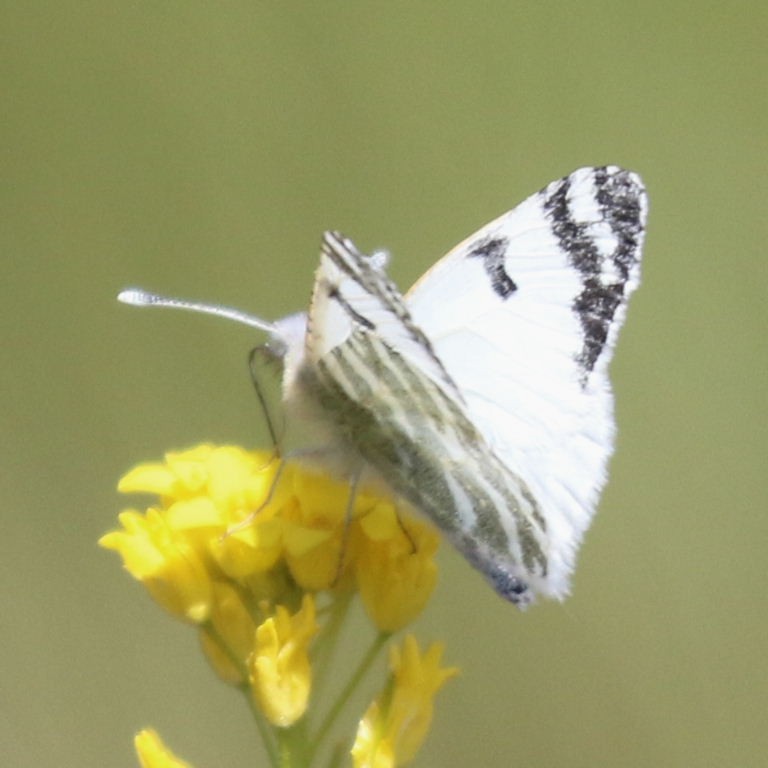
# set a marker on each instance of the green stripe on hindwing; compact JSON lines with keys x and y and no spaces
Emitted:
{"x":428,"y":451}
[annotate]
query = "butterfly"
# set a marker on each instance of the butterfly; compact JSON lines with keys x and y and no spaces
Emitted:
{"x":481,"y":397}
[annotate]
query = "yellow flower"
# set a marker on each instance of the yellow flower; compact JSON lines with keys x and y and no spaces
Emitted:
{"x":178,"y":549}
{"x":395,"y":567}
{"x":165,"y":562}
{"x":280,"y":671}
{"x":233,"y":480}
{"x":395,"y":725}
{"x":153,"y":753}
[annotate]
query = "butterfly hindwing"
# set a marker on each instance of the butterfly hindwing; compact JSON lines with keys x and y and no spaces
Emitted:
{"x":377,"y":379}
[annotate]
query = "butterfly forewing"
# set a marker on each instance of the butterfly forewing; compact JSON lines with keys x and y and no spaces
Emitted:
{"x":541,"y":293}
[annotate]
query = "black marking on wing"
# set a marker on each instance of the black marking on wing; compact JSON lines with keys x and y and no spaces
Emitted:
{"x":618,"y":198}
{"x":355,"y":316}
{"x":492,"y":250}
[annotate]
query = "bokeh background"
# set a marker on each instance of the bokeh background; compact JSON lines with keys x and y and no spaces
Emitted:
{"x":200,"y":149}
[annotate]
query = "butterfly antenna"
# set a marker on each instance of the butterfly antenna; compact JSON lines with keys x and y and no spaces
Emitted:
{"x":140,"y":298}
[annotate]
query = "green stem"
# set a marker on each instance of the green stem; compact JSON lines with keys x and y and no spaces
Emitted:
{"x":365,"y":663}
{"x":292,"y":745}
{"x":336,"y":756}
{"x":285,"y":747}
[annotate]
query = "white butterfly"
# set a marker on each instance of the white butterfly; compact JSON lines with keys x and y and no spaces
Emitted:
{"x":481,"y":397}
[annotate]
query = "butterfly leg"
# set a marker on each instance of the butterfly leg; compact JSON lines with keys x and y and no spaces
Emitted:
{"x":258,"y":359}
{"x":252,"y":516}
{"x":406,"y":533}
{"x":354,"y":482}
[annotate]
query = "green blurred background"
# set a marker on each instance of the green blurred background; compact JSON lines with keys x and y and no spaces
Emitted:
{"x":200,"y":149}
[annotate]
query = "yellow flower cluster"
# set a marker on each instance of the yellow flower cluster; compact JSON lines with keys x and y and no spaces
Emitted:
{"x":233,"y":517}
{"x":243,"y":547}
